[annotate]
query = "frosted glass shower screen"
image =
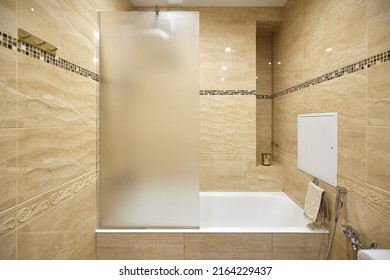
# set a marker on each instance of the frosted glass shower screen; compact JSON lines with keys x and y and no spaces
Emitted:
{"x":148,"y":119}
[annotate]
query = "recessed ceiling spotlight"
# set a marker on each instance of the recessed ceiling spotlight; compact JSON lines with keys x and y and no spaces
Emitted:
{"x":32,"y":9}
{"x":328,"y":49}
{"x":257,"y":77}
{"x":224,"y":68}
{"x":228,"y":49}
{"x":269,"y":63}
{"x":279,"y":62}
{"x":222,"y":79}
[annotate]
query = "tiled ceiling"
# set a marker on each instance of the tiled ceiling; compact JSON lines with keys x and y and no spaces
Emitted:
{"x":211,"y":3}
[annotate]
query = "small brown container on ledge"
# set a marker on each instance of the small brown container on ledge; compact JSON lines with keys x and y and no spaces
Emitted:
{"x":266,"y":159}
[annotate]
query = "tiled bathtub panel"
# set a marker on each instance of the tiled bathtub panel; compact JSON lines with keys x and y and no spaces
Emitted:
{"x":49,"y":157}
{"x":56,"y":233}
{"x":299,"y":246}
{"x":8,"y":168}
{"x":227,"y":246}
{"x":140,"y":246}
{"x":50,"y":96}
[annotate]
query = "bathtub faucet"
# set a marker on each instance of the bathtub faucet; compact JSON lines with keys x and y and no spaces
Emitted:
{"x":354,"y":238}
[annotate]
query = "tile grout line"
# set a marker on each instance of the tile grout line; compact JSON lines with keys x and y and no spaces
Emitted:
{"x":366,"y":128}
{"x":17,"y":149}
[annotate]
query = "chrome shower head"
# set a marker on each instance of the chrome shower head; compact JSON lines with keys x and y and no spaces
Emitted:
{"x":157,"y":9}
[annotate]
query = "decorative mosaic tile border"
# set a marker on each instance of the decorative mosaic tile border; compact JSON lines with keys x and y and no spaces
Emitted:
{"x":227,"y":92}
{"x":17,"y":216}
{"x":263,"y":96}
{"x":352,"y":68}
{"x":372,"y":195}
{"x":227,"y":156}
{"x":12,"y":43}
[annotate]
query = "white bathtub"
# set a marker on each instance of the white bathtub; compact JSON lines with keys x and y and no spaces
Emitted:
{"x":250,"y":212}
{"x":238,"y":212}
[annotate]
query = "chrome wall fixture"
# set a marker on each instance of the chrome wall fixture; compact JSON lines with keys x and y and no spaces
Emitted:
{"x":157,"y":10}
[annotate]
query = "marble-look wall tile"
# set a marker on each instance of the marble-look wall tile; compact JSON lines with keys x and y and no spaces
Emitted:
{"x":378,"y":156}
{"x":140,"y":246}
{"x":221,"y":28}
{"x":8,"y":95}
{"x":8,"y":68}
{"x":347,"y":34}
{"x":50,"y":96}
{"x":263,"y":68}
{"x":229,"y":246}
{"x":378,"y":20}
{"x":230,"y":138}
{"x":222,"y":109}
{"x":8,"y":247}
{"x":345,"y":95}
{"x":49,"y":157}
{"x":352,"y":156}
{"x":263,"y":125}
{"x":265,"y":178}
{"x":378,"y":95}
{"x":118,"y":5}
{"x":41,"y":18}
{"x":85,"y":250}
{"x":287,"y":72}
{"x":8,"y":23}
{"x":285,"y":135}
{"x":223,"y":175}
{"x":55,"y":234}
{"x":223,"y":20}
{"x":8,"y":168}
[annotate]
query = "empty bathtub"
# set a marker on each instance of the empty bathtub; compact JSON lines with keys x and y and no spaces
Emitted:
{"x":233,"y":225}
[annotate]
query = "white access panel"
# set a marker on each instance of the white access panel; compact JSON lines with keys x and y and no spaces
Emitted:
{"x":317,"y":146}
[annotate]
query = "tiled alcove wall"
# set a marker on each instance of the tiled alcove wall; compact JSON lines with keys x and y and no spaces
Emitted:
{"x":48,"y":132}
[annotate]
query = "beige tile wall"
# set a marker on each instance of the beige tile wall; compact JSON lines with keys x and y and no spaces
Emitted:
{"x":48,"y":133}
{"x":354,"y":30}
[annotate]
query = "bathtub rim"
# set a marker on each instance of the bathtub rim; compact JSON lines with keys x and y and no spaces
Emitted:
{"x":221,"y":230}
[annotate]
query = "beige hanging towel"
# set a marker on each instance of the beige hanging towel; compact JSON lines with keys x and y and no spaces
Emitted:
{"x":313,"y":201}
